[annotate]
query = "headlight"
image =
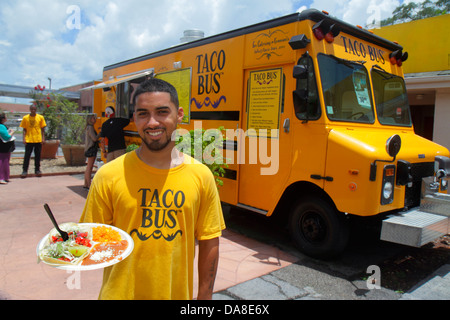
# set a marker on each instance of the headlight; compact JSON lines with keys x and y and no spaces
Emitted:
{"x":387,"y":191}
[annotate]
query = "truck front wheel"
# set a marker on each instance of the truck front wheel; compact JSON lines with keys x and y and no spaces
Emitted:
{"x":318,"y":229}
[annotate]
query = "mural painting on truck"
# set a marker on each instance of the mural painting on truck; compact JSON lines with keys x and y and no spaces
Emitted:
{"x":315,"y":117}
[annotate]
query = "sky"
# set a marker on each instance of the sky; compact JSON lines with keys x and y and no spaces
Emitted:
{"x":71,"y":41}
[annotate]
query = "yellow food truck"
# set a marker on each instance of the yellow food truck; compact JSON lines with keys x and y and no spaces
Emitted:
{"x":316,"y":123}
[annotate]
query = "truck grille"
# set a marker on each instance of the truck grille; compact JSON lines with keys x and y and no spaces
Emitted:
{"x":418,"y":171}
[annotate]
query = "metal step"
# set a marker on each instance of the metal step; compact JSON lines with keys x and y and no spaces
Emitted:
{"x":438,"y":203}
{"x":432,"y":200}
{"x":414,"y":228}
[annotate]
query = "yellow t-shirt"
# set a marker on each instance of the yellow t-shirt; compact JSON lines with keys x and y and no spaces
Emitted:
{"x":164,"y":211}
{"x":33,"y":125}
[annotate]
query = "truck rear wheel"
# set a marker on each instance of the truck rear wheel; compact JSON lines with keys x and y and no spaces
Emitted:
{"x":318,"y":229}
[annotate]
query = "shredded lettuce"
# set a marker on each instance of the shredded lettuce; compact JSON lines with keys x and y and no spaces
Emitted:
{"x":60,"y":250}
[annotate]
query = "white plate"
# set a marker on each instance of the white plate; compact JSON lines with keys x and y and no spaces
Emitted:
{"x":126,"y":253}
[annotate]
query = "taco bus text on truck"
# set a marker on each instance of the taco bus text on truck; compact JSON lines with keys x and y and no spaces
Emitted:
{"x":317,"y":123}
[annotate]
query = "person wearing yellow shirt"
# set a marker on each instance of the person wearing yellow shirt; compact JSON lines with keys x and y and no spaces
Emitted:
{"x":33,"y":125}
{"x":165,"y":200}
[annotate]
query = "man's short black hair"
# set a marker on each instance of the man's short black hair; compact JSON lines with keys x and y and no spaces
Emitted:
{"x":157,"y":85}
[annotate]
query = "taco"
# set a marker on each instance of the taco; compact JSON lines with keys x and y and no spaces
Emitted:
{"x":56,"y":251}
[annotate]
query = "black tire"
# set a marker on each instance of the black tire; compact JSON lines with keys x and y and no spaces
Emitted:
{"x":318,"y":229}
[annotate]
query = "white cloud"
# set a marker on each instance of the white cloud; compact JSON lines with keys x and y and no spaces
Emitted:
{"x":5,"y":43}
{"x":358,"y":12}
{"x":302,"y":8}
{"x":36,"y":43}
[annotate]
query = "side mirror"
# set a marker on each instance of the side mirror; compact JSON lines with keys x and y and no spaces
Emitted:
{"x":393,"y":145}
{"x":300,"y":96}
{"x":300,"y":72}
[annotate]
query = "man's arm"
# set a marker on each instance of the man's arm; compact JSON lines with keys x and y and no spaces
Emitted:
{"x":124,"y":122}
{"x":208,"y":259}
{"x":24,"y":133}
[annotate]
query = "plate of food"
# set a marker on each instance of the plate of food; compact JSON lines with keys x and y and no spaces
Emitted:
{"x":90,"y":246}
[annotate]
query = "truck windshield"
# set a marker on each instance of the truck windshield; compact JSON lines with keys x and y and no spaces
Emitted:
{"x":390,"y":98}
{"x":346,"y":90}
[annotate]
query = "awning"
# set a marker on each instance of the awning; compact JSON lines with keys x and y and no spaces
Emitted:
{"x":8,"y":90}
{"x":120,"y":79}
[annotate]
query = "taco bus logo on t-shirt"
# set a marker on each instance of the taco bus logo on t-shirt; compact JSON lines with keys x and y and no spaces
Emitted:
{"x":159,"y":214}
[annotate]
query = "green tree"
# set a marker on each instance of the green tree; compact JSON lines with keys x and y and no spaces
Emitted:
{"x":416,"y":11}
{"x":204,"y":143}
{"x":73,"y":122}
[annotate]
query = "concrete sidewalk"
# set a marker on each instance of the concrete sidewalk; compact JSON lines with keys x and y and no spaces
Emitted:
{"x":248,"y":269}
{"x":24,"y":222}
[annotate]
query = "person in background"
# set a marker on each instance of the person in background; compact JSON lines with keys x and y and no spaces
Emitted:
{"x":33,"y":125}
{"x":6,"y":147}
{"x":90,"y":148}
{"x":165,"y":200}
{"x":112,"y":129}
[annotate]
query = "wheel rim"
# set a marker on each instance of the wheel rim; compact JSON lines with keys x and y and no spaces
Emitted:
{"x":313,"y":227}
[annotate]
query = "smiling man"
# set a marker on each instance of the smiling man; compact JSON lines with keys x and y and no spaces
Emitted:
{"x":165,"y":200}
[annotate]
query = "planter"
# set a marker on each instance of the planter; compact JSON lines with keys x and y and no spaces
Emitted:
{"x":74,"y":155}
{"x":49,"y":149}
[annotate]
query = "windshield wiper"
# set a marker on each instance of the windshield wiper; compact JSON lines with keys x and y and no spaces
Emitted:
{"x":378,"y":67}
{"x":384,"y":73}
{"x":346,"y":63}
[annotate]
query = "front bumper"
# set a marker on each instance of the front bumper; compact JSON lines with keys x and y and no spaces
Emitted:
{"x":419,"y":226}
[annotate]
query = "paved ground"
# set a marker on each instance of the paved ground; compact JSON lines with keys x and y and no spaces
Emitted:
{"x":24,"y":223}
{"x":248,"y":269}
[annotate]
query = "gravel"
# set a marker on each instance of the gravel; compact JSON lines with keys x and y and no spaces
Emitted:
{"x":48,"y":166}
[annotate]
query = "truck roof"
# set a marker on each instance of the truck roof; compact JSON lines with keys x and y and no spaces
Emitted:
{"x":309,"y":14}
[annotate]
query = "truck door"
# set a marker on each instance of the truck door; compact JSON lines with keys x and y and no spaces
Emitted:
{"x":264,"y":149}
